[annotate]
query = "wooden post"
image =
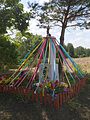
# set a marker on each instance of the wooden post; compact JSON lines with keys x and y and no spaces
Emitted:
{"x":1,"y":88}
{"x":45,"y":99}
{"x":36,"y":97}
{"x":78,"y":87}
{"x":85,"y":81}
{"x":50,"y":98}
{"x":63,"y":97}
{"x":68,"y":93}
{"x":32,"y":97}
{"x":72,"y":91}
{"x":40,"y":96}
{"x":56,"y":102}
{"x":4,"y":89}
{"x":60,"y":100}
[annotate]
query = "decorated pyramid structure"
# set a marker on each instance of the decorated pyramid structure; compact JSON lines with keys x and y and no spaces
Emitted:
{"x":43,"y":83}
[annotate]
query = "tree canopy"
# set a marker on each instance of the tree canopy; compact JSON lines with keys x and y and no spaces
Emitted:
{"x":26,"y":42}
{"x":12,"y":15}
{"x":70,"y":49}
{"x":8,"y":53}
{"x":63,"y":13}
{"x":78,"y":51}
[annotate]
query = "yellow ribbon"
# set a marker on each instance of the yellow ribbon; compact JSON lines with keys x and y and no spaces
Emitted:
{"x":9,"y":79}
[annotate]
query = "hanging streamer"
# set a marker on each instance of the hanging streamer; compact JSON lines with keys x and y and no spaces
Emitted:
{"x":40,"y":58}
{"x":37,"y":54}
{"x":9,"y":79}
{"x":72,"y":61}
{"x":65,"y":72}
{"x":54,"y":64}
{"x":44,"y":58}
{"x":64,"y":61}
{"x":62,"y":65}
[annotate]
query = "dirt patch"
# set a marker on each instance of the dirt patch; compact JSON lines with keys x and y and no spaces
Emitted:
{"x":82,"y":102}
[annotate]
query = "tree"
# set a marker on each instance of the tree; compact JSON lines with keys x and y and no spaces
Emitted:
{"x":8,"y":53}
{"x":70,"y":49}
{"x":65,"y":47}
{"x":26,"y":42}
{"x":12,"y":16}
{"x":87,"y":52}
{"x":62,"y":13}
{"x":80,"y":51}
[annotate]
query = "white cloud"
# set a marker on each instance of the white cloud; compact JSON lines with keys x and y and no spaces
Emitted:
{"x":42,"y":1}
{"x":76,"y":37}
{"x":36,"y":30}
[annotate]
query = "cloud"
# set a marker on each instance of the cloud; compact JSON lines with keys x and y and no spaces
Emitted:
{"x":36,"y":30}
{"x":42,"y":1}
{"x":78,"y":37}
{"x":75,"y":36}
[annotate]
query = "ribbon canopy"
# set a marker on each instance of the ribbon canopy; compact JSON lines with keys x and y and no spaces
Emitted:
{"x":45,"y":75}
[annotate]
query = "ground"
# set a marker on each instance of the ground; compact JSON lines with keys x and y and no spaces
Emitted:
{"x":84,"y":63}
{"x":13,"y":107}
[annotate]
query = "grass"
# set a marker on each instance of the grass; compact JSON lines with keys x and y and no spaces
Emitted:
{"x":84,"y":63}
{"x":81,"y":103}
{"x":14,"y":108}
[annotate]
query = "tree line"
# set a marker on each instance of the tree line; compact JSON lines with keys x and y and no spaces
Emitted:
{"x":78,"y":51}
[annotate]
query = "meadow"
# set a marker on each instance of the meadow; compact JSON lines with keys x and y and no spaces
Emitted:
{"x":84,"y":64}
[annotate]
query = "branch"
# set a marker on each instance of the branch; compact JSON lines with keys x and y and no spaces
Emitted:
{"x":78,"y":11}
{"x":79,"y":15}
{"x":57,"y":19}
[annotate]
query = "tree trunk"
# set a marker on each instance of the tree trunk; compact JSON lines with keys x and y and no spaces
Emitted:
{"x":64,"y":25}
{"x":62,"y":43}
{"x":62,"y":35}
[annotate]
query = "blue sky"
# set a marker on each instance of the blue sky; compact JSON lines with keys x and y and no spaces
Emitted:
{"x":75,"y":36}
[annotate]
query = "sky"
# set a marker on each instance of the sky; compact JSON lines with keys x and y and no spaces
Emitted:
{"x":75,"y":36}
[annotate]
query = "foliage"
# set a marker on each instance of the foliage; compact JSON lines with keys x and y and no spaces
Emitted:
{"x":12,"y":16}
{"x":8,"y":53}
{"x":78,"y":51}
{"x":62,"y":13}
{"x":12,"y":51}
{"x":26,"y":43}
{"x":87,"y":52}
{"x":70,"y":49}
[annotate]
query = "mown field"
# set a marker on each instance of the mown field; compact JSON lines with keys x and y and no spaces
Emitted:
{"x":84,"y":63}
{"x":16,"y":108}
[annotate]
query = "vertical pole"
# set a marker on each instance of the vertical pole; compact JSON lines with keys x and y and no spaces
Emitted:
{"x":60,"y":100}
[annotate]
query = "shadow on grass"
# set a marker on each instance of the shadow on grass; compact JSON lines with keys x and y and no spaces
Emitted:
{"x":14,"y":108}
{"x":81,"y":103}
